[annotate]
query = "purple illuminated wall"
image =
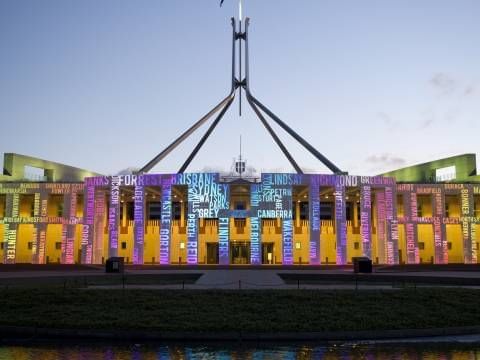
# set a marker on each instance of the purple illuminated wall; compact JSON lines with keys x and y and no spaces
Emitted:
{"x":314,"y":218}
{"x":139,"y":221}
{"x":365,"y":215}
{"x":68,"y":231}
{"x":391,"y":241}
{"x":468,"y":228}
{"x":88,"y":221}
{"x":99,"y":226}
{"x":166,"y":221}
{"x":223,"y":240}
{"x":114,"y":215}
{"x":255,"y":224}
{"x":340,"y":223}
{"x":381,"y":225}
{"x":287,"y":233}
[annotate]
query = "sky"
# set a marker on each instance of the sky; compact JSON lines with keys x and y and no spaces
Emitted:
{"x":374,"y":85}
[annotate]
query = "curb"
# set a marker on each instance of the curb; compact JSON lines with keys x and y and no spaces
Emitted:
{"x":33,"y":333}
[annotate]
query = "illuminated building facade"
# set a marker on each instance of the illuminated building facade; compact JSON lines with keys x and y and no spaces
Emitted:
{"x":203,"y":218}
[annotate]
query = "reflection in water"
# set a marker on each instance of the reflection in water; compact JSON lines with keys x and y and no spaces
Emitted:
{"x":239,"y":351}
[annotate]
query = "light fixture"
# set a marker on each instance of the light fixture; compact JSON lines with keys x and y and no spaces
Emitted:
{"x":182,"y":245}
{"x":297,"y":245}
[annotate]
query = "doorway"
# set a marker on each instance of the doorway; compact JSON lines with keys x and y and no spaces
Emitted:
{"x":240,"y":252}
{"x":267,"y":253}
{"x":212,"y":253}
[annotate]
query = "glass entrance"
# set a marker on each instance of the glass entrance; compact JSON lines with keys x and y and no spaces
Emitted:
{"x":267,"y":253}
{"x":240,"y":252}
{"x":212,"y":253}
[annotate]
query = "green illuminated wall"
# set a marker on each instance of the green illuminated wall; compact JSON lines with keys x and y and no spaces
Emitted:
{"x":425,"y":173}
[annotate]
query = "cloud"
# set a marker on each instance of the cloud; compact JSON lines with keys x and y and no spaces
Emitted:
{"x":469,"y":90}
{"x":428,"y":119}
{"x":443,"y":83}
{"x":387,"y":119}
{"x":385,"y":160}
{"x":446,"y":84}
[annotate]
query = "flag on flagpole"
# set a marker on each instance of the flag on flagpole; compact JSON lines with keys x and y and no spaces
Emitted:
{"x":221,"y":2}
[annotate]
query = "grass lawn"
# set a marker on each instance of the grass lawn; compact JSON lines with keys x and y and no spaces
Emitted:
{"x":239,"y":310}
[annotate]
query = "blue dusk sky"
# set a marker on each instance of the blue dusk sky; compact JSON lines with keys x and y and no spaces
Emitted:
{"x":374,"y":85}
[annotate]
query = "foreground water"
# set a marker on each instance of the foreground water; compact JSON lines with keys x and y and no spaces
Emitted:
{"x":241,"y":351}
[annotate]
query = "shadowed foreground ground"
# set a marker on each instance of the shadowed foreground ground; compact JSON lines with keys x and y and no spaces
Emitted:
{"x":239,"y":310}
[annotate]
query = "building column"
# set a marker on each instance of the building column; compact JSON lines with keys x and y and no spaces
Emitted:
{"x":40,"y":228}
{"x":114,"y":216}
{"x":88,"y":222}
{"x":381,"y":225}
{"x":297,"y":213}
{"x":365,"y":216}
{"x":99,"y":226}
{"x":68,"y":228}
{"x":223,"y":240}
{"x":391,"y":241}
{"x":139,"y":221}
{"x":410,"y":209}
{"x":314,"y":219}
{"x":439,"y":228}
{"x":192,"y":233}
{"x":340,"y":223}
{"x":255,"y":225}
{"x":468,"y":228}
{"x":166,"y":221}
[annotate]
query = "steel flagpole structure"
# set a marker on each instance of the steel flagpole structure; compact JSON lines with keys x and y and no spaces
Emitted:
{"x":241,"y":82}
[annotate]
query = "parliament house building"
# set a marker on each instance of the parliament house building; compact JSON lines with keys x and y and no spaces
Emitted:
{"x":427,"y":213}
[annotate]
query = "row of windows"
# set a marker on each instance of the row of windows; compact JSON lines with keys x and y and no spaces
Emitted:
{"x":58,"y":245}
{"x":356,"y":245}
{"x":154,"y":208}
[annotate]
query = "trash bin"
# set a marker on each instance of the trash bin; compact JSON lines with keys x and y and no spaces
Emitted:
{"x":114,"y":265}
{"x":362,"y":264}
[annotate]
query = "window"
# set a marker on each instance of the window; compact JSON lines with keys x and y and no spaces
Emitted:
{"x":304,"y":210}
{"x":124,"y":245}
{"x":55,"y":205}
{"x":30,"y":245}
{"x":240,"y":205}
{"x":60,"y":209}
{"x":58,"y":245}
{"x":348,"y":211}
{"x":447,"y":214}
{"x":326,"y":211}
{"x":419,"y":210}
{"x":176,"y":210}
{"x":154,"y":210}
{"x":421,"y":246}
{"x":2,"y":245}
{"x":449,"y":245}
{"x":130,"y":210}
{"x":446,"y":174}
{"x":356,"y":245}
